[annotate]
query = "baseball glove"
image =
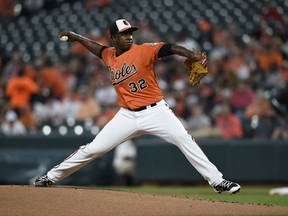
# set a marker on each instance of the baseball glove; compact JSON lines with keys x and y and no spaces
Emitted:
{"x":197,"y":70}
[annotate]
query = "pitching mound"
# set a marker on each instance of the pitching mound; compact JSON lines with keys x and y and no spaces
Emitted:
{"x":27,"y":200}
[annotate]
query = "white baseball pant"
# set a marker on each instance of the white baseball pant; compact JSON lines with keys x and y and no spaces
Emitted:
{"x":159,"y":121}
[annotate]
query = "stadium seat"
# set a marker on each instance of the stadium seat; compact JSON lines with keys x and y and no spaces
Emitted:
{"x":39,"y":30}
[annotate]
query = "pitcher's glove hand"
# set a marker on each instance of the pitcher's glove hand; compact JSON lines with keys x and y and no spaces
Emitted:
{"x":197,"y":70}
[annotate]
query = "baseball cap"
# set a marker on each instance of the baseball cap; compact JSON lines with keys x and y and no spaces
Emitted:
{"x":121,"y":25}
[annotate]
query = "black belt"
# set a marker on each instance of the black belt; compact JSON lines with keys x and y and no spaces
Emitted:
{"x":142,"y":108}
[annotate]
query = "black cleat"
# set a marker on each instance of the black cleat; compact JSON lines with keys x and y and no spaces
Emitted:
{"x":227,"y":186}
{"x":42,"y":181}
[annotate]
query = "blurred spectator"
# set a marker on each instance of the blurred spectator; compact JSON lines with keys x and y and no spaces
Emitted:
{"x":11,"y":125}
{"x":20,"y":89}
{"x":241,"y":97}
{"x":280,"y":106}
{"x":268,"y":58}
{"x":28,"y":119}
{"x":266,"y":125}
{"x":170,"y":99}
{"x":279,"y":100}
{"x":180,"y":108}
{"x":218,"y":52}
{"x":31,"y":72}
{"x":237,"y":65}
{"x":51,"y":112}
{"x":89,"y":107}
{"x":253,"y":111}
{"x":257,"y":57}
{"x":106,"y":115}
{"x":281,"y":131}
{"x":73,"y":73}
{"x":50,"y":78}
{"x":205,"y":28}
{"x":71,"y":105}
{"x":6,"y":9}
{"x":219,"y":36}
{"x":188,"y":42}
{"x":228,"y":123}
{"x":106,"y":95}
{"x":271,"y":13}
{"x":283,"y":75}
{"x":95,"y":34}
{"x":222,"y":95}
{"x":178,"y":80}
{"x":258,"y":106}
{"x":199,"y":124}
{"x":12,"y":66}
{"x":89,"y":4}
{"x":124,"y":163}
{"x":199,"y":120}
{"x":147,"y":33}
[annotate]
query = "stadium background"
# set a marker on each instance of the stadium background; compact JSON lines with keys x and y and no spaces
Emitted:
{"x":247,"y":46}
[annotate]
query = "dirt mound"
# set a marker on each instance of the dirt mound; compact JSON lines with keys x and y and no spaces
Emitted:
{"x":28,"y":200}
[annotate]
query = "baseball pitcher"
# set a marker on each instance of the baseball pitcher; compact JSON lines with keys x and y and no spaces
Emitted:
{"x":143,"y":109}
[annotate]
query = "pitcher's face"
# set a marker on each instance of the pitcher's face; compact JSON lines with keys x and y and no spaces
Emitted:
{"x":123,"y":41}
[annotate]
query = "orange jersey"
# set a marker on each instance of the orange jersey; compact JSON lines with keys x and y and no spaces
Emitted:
{"x":133,"y":75}
{"x":19,"y":89}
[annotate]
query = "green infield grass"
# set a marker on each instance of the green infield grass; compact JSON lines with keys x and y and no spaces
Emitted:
{"x":248,"y":194}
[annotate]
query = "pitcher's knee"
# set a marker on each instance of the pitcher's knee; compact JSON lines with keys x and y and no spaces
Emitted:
{"x":180,"y":138}
{"x":96,"y":150}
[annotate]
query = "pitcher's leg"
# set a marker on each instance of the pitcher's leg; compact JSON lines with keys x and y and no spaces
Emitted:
{"x":165,"y":124}
{"x":109,"y":137}
{"x":197,"y":158}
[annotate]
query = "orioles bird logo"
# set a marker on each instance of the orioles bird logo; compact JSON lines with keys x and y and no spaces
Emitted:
{"x":126,"y":22}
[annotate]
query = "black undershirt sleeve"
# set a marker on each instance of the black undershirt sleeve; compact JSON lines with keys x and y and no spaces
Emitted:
{"x":101,"y":50}
{"x":165,"y":50}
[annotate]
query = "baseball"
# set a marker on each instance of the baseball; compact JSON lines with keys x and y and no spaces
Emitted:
{"x":64,"y":38}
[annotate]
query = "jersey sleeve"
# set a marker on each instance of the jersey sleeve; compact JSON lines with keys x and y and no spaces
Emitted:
{"x":151,"y":50}
{"x":107,"y":54}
